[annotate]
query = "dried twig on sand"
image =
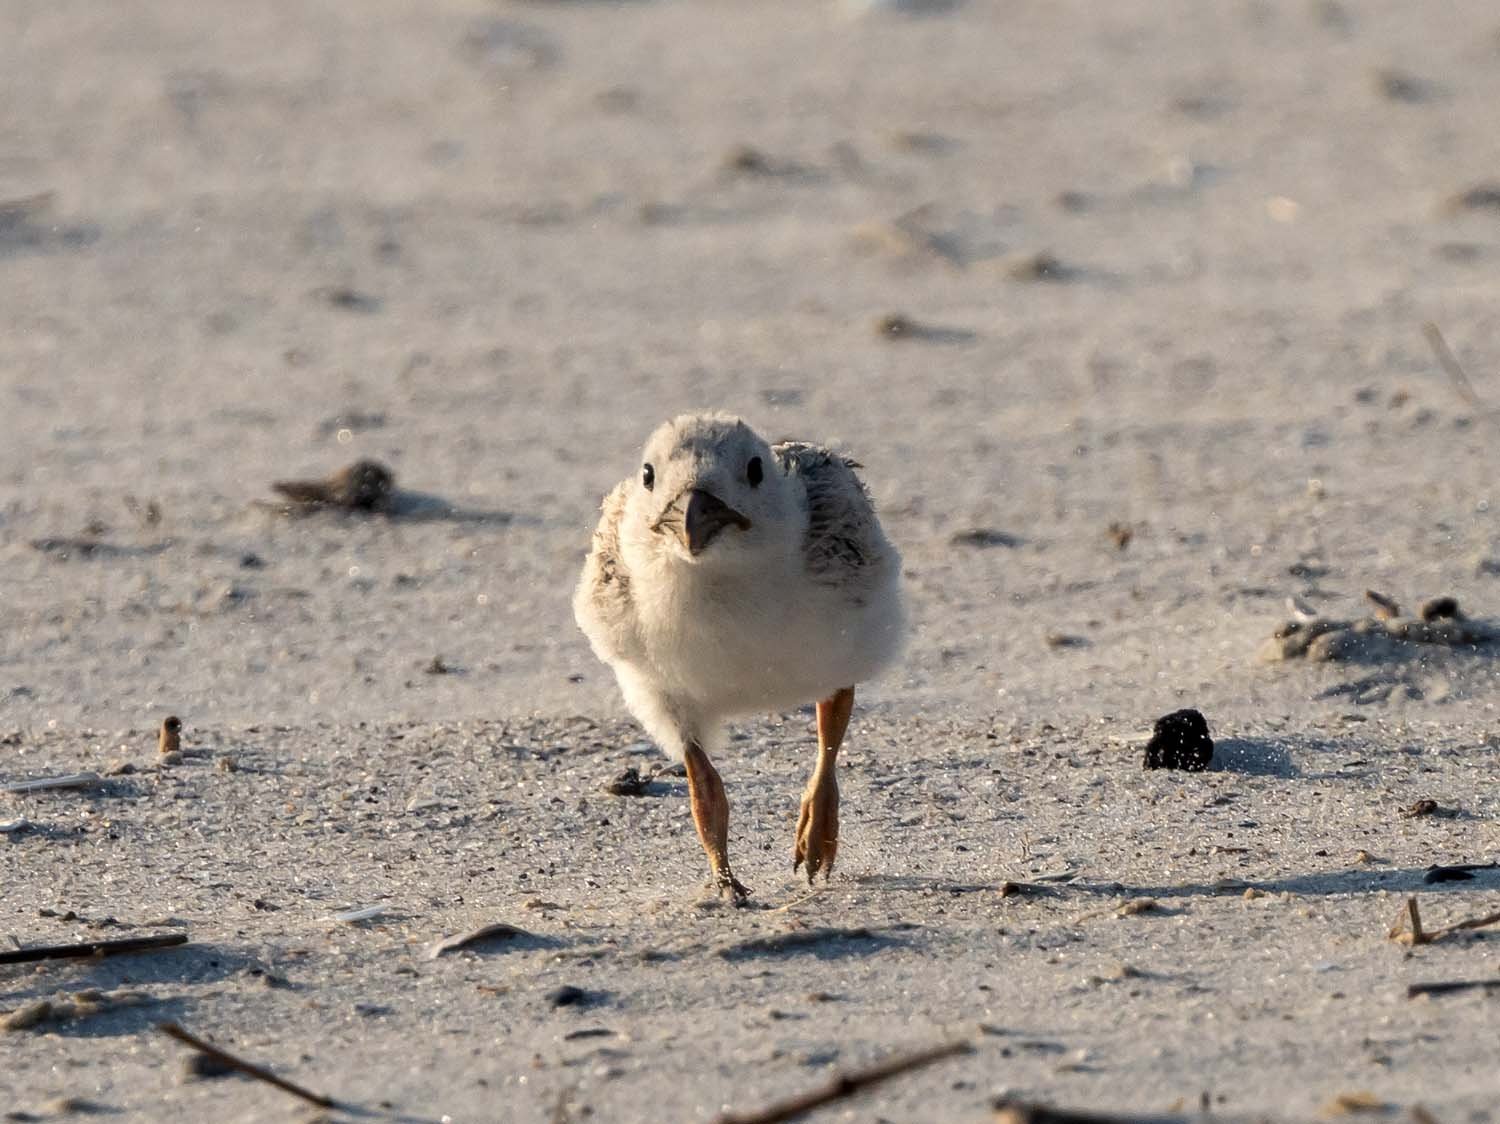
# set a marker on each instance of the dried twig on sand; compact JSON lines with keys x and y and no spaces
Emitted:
{"x":1448,"y":987}
{"x":1450,"y":364}
{"x":91,"y":948}
{"x":845,"y":1085}
{"x":249,"y":1069}
{"x":1408,"y":926}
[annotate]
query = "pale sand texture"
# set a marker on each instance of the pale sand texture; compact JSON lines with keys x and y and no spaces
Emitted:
{"x":497,"y":243}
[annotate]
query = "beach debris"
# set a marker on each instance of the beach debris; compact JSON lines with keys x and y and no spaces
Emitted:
{"x":14,"y":827}
{"x":148,"y":514}
{"x":1037,"y":884}
{"x":169,"y":738}
{"x":911,"y":235}
{"x":1384,"y":635}
{"x":1040,"y":265}
{"x":1133,"y":907}
{"x":1120,"y":534}
{"x":567,"y":995}
{"x":438,"y":667}
{"x":1360,"y":1100}
{"x":1444,"y":354}
{"x":347,"y":298}
{"x":1456,"y":872}
{"x":495,"y":931}
{"x":845,"y":1085}
{"x":249,"y":1069}
{"x":1408,"y":928}
{"x":362,"y":913}
{"x":899,"y":326}
{"x":71,"y":1007}
{"x":628,"y":782}
{"x":205,"y":1067}
{"x":1064,"y":640}
{"x":47,"y":784}
{"x":983,"y":538}
{"x":82,"y":949}
{"x":365,"y":485}
{"x":1423,"y":807}
{"x":795,"y":941}
{"x":1449,"y":987}
{"x":1480,"y":197}
{"x":1398,"y":85}
{"x":1180,"y":741}
{"x":1440,"y":609}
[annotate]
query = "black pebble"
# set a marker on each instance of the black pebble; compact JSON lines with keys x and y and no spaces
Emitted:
{"x":567,"y":996}
{"x":1181,"y":741}
{"x":628,"y":783}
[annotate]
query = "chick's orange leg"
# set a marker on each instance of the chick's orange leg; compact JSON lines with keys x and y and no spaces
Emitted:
{"x":711,"y":815}
{"x":817,"y":842}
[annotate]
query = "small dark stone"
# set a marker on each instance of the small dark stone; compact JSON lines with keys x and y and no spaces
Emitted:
{"x":627,"y":783}
{"x":204,"y":1067}
{"x":1181,"y":741}
{"x":567,"y":996}
{"x":1441,"y":609}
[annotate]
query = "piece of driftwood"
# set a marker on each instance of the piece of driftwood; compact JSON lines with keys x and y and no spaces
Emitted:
{"x":249,"y":1069}
{"x":44,"y":784}
{"x":845,"y":1085}
{"x":91,"y":948}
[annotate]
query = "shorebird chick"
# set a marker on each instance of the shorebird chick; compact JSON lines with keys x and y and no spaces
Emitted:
{"x":729,"y":577}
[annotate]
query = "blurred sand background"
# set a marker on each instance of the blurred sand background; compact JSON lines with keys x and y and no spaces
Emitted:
{"x":1164,"y":266}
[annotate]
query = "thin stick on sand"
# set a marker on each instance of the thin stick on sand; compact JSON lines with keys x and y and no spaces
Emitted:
{"x":1449,"y":362}
{"x":845,"y":1085}
{"x":249,"y":1069}
{"x":91,"y":948}
{"x":45,"y":784}
{"x":1448,"y":987}
{"x":1419,"y":935}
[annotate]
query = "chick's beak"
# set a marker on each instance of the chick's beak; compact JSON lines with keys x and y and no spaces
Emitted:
{"x":704,"y":515}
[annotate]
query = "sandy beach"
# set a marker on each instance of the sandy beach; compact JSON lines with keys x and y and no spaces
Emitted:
{"x":1121,"y":307}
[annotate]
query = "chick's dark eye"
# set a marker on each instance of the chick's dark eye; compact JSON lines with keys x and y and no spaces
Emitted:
{"x":648,"y":477}
{"x":755,"y":472}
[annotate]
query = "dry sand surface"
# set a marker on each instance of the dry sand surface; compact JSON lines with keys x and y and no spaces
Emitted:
{"x":1156,"y":265}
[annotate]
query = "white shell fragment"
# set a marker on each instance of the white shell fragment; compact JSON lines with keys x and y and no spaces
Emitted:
{"x":42,"y":784}
{"x":364,"y":913}
{"x":497,"y":929}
